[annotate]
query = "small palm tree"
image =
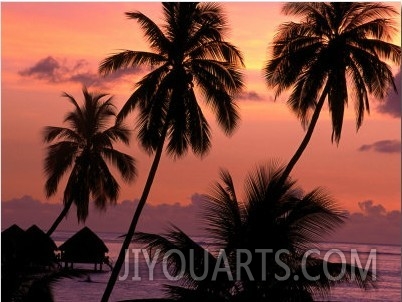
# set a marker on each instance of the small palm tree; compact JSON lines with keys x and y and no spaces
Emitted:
{"x":334,"y":53}
{"x":84,"y":148}
{"x":188,"y":51}
{"x":275,"y":216}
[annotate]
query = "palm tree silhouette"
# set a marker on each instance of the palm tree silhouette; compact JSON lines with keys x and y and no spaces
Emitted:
{"x":84,"y":148}
{"x":189,"y":50}
{"x":275,"y":216}
{"x":335,"y":52}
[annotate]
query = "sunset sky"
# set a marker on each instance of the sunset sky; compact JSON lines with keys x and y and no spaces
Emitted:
{"x":48,"y":48}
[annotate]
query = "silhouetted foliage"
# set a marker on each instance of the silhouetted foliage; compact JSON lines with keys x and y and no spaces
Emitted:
{"x":188,"y":51}
{"x":274,"y":215}
{"x":84,"y":149}
{"x":336,"y":52}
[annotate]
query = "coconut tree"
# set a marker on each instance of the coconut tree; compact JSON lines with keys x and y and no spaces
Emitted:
{"x":188,"y":51}
{"x":85,"y":148}
{"x":336,"y":52}
{"x":275,"y":217}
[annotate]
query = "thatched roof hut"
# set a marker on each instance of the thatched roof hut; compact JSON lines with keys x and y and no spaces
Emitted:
{"x":12,"y":232}
{"x":84,"y":247}
{"x":12,"y":243}
{"x":32,"y":246}
{"x":39,"y":246}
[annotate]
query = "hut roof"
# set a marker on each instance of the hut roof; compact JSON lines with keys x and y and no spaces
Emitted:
{"x":36,"y":236}
{"x":84,"y":239}
{"x":12,"y":241}
{"x":31,"y":246}
{"x":14,"y":232}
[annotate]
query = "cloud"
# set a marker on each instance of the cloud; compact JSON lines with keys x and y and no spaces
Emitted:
{"x":383,"y":146}
{"x":392,"y":104}
{"x":60,"y":71}
{"x":45,"y":69}
{"x":250,"y":96}
{"x":372,"y":225}
{"x":26,"y":211}
{"x":370,"y":209}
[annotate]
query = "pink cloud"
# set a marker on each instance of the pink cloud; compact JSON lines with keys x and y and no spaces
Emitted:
{"x":383,"y":146}
{"x":373,"y":225}
{"x":54,"y":70}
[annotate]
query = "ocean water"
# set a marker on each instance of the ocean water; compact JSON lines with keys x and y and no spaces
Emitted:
{"x":388,"y":269}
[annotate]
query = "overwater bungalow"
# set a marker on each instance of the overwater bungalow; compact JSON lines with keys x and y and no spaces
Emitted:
{"x":12,"y":244}
{"x":39,"y":247}
{"x":27,"y":248}
{"x":84,"y":247}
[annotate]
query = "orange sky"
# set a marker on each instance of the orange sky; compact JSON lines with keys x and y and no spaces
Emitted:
{"x":85,"y":33}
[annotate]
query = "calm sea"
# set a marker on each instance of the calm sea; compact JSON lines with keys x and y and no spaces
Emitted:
{"x":388,"y":266}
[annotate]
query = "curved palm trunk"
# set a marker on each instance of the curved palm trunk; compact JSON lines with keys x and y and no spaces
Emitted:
{"x":131,"y":230}
{"x":59,"y":218}
{"x":306,"y":138}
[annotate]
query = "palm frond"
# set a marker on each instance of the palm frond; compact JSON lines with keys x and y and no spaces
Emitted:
{"x":178,"y":139}
{"x":360,"y":93}
{"x":77,"y":190}
{"x":308,"y":87}
{"x":152,"y":32}
{"x":337,"y":100}
{"x":152,"y":119}
{"x":197,"y":260}
{"x":52,"y":133}
{"x":220,"y":51}
{"x":367,"y":12}
{"x":312,"y":13}
{"x":312,"y":218}
{"x":380,"y":48}
{"x":212,"y":14}
{"x":146,"y":89}
{"x":60,"y":157}
{"x":118,"y":132}
{"x":200,"y":135}
{"x":222,"y":103}
{"x":125,"y":164}
{"x":222,"y":213}
{"x":335,"y":273}
{"x":378,"y":29}
{"x":220,"y":74}
{"x":130,"y":59}
{"x":73,"y":101}
{"x":377,"y":75}
{"x":103,"y":113}
{"x":102,"y":184}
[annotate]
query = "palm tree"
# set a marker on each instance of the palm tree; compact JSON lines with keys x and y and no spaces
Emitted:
{"x":188,"y":50}
{"x":335,"y":52}
{"x":275,"y":216}
{"x":84,"y":148}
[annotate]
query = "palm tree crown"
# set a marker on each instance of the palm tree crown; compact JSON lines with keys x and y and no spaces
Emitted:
{"x":336,"y":50}
{"x":274,"y":216}
{"x":85,"y":147}
{"x":188,"y":50}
